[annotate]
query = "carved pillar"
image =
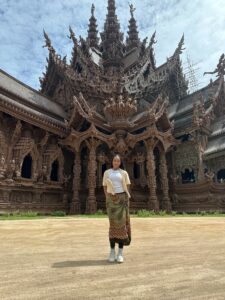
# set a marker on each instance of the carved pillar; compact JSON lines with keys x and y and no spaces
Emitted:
{"x":85,"y":168}
{"x":91,"y":206}
{"x":140,"y":161}
{"x":101,"y":161}
{"x":99,"y":173}
{"x":153,"y":203}
{"x":129,"y":169}
{"x":75,"y":205}
{"x":166,"y":204}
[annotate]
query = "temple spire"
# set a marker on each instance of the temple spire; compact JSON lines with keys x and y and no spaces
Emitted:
{"x":92,"y":38}
{"x":111,"y":8}
{"x":75,"y":47}
{"x":112,"y":40}
{"x":133,"y":38}
{"x":48,"y":43}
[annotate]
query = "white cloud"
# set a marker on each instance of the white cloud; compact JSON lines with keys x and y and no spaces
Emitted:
{"x":22,"y":23}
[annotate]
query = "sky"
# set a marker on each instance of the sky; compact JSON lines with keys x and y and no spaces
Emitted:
{"x":22,"y":23}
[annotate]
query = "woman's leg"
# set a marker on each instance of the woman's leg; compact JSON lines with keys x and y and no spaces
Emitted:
{"x":121,"y":245}
{"x":112,"y":254}
{"x":112,"y":244}
{"x":120,"y":253}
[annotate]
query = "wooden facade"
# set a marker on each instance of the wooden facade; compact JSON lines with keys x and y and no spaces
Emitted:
{"x":56,"y":143}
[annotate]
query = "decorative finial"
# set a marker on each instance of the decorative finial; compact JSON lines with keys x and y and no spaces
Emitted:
{"x":153,"y":40}
{"x":92,"y":9}
{"x":48,"y":43}
{"x":72,"y":35}
{"x":180,"y":47}
{"x":47,"y":40}
{"x":132,"y":10}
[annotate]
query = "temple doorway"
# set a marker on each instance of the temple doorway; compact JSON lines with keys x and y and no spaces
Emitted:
{"x":54,"y":176}
{"x":221,"y":175}
{"x":26,"y":171}
{"x":188,"y":176}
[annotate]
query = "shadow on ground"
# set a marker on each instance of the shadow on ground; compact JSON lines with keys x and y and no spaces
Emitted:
{"x":80,"y":263}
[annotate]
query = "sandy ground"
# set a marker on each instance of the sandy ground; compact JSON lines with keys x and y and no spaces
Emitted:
{"x":169,"y":258}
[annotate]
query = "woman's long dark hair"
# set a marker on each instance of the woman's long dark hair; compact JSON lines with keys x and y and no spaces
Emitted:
{"x":121,"y":162}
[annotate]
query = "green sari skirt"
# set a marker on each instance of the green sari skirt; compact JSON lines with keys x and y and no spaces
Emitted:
{"x":117,"y":207}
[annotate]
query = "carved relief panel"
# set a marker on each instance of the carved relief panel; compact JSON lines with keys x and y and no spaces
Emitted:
{"x":53,"y":155}
{"x":25,"y":146}
{"x":186,"y":157}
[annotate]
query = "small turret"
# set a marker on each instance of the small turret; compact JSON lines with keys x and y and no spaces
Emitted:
{"x":92,"y":38}
{"x":133,"y":38}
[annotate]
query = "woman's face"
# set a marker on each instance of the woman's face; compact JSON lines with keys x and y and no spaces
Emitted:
{"x":116,"y":162}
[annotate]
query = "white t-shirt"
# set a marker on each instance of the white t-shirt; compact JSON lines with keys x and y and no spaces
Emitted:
{"x":116,"y":177}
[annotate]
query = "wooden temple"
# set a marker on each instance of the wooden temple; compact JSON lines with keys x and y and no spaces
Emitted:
{"x":56,"y":143}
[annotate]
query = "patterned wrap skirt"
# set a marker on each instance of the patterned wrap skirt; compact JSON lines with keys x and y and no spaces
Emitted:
{"x":117,"y":207}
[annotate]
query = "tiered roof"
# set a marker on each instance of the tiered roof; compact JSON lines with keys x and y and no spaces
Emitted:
{"x":93,"y":39}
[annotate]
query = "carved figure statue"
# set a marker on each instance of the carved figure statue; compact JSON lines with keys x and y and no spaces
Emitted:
{"x":220,"y":68}
{"x":12,"y":169}
{"x":2,"y":167}
{"x":210,"y":175}
{"x":132,"y":10}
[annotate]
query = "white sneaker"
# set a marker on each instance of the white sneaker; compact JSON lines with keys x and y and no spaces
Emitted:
{"x":120,"y":256}
{"x":112,"y":256}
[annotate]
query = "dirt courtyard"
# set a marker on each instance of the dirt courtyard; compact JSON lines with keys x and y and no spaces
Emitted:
{"x":169,"y":258}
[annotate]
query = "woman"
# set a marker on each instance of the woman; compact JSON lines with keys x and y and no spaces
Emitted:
{"x":116,"y":184}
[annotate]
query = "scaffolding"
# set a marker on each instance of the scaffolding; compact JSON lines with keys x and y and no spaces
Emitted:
{"x":191,"y":71}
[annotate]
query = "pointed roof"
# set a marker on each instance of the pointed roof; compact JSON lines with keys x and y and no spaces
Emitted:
{"x":133,"y":38}
{"x":92,"y":38}
{"x":112,"y":38}
{"x":54,"y":61}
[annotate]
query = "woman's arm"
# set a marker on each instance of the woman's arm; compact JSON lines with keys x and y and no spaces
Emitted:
{"x":129,"y":188}
{"x":104,"y":183}
{"x":105,"y":189}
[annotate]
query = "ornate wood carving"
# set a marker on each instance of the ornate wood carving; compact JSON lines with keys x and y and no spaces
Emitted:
{"x":164,"y":182}
{"x":153,"y":203}
{"x":52,"y":153}
{"x":186,"y":157}
{"x":75,"y":207}
{"x":91,"y":205}
{"x":111,"y":92}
